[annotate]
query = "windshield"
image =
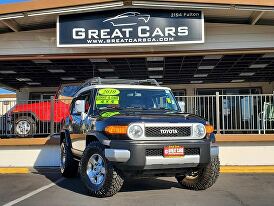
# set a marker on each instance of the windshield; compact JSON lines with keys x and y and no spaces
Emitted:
{"x":139,"y":99}
{"x":68,"y":90}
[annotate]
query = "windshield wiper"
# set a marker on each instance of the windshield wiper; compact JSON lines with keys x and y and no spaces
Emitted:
{"x":109,"y":108}
{"x":134,"y":107}
{"x":163,"y":109}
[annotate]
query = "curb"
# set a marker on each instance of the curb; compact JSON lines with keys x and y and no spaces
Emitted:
{"x":246,"y":169}
{"x":14,"y":170}
{"x":223,"y":170}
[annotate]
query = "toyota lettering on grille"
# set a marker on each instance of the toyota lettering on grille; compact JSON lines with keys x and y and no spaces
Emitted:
{"x":169,"y":131}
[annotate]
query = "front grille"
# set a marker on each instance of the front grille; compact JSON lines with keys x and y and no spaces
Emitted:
{"x":168,"y":131}
{"x":192,"y":151}
{"x":154,"y":152}
{"x":160,"y":152}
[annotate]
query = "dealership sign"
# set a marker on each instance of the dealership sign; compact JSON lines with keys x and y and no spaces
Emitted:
{"x":130,"y":27}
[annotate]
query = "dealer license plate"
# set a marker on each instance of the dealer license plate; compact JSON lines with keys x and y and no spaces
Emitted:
{"x":173,"y":151}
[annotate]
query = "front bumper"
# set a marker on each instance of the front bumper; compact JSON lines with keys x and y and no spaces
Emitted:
{"x":132,"y":155}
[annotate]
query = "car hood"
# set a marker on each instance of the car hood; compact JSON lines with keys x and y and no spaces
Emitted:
{"x":125,"y":119}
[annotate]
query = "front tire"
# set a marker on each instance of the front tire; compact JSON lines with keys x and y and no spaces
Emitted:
{"x":98,"y":174}
{"x":68,"y":165}
{"x":203,"y":178}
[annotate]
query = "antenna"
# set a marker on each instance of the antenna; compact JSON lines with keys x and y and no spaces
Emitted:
{"x":93,"y":68}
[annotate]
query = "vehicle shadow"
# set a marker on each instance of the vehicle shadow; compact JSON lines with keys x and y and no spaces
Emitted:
{"x":130,"y":185}
{"x":151,"y":183}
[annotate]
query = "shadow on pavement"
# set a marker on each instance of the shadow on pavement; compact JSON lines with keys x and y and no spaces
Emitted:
{"x":143,"y":184}
{"x":130,"y":185}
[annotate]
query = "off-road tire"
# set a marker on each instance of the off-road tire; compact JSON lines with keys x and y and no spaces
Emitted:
{"x":205,"y":178}
{"x":30,"y":121}
{"x":70,"y":167}
{"x":113,"y":181}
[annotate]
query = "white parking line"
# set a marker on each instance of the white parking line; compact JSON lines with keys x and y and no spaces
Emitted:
{"x":20,"y":199}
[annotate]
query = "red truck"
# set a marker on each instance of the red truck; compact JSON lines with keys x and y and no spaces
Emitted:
{"x":33,"y":118}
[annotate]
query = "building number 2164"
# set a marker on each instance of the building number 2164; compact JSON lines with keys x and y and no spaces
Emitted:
{"x":184,"y":14}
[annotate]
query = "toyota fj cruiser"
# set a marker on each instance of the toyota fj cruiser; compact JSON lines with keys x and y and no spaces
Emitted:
{"x":123,"y":128}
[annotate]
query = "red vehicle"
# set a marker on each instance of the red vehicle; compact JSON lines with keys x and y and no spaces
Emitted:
{"x":34,"y":117}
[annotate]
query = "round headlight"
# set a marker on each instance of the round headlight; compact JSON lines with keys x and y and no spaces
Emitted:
{"x":135,"y":131}
{"x":199,"y":130}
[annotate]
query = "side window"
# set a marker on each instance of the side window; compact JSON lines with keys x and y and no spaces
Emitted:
{"x":92,"y":97}
{"x":178,"y":93}
{"x":84,"y":96}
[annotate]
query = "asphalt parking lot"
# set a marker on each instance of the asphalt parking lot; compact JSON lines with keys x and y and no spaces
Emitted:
{"x":230,"y":189}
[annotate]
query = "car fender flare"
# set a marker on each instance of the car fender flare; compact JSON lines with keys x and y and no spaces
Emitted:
{"x":99,"y":137}
{"x":65,"y":135}
{"x":15,"y":115}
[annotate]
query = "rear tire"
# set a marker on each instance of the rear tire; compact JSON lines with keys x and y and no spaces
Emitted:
{"x":68,"y":166}
{"x":24,"y":126}
{"x":100,"y":177}
{"x":203,"y":178}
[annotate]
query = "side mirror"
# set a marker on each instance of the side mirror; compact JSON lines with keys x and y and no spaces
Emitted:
{"x":182,"y":106}
{"x":80,"y":106}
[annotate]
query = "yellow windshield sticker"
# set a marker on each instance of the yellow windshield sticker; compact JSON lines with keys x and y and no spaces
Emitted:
{"x":107,"y":99}
{"x":109,"y":114}
{"x":168,"y":100}
{"x":109,"y":91}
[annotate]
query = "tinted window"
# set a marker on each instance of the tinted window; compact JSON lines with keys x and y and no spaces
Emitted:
{"x":146,"y":99}
{"x":69,"y":90}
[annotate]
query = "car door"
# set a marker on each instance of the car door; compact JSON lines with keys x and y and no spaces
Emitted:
{"x":78,"y":122}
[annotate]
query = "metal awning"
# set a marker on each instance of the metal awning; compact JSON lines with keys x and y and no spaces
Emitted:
{"x":167,"y":70}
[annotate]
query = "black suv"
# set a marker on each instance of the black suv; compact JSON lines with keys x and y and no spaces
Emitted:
{"x":123,"y":128}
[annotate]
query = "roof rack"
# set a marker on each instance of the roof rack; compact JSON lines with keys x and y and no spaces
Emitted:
{"x":98,"y":80}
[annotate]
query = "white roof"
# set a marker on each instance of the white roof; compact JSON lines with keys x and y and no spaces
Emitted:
{"x":120,"y":86}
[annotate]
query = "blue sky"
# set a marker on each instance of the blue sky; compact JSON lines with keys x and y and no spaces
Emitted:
{"x":11,"y":1}
{"x":4,"y":91}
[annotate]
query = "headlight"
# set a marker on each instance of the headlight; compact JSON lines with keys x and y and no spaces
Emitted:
{"x":135,"y":131}
{"x":199,"y":130}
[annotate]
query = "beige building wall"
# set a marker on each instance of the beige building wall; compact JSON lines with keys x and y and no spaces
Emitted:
{"x":23,"y":93}
{"x":267,"y":87}
{"x":7,"y":101}
{"x":222,"y":37}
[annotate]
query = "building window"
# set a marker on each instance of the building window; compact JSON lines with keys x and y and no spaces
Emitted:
{"x":238,"y":108}
{"x":229,"y":91}
{"x":40,"y":96}
{"x":179,"y":92}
